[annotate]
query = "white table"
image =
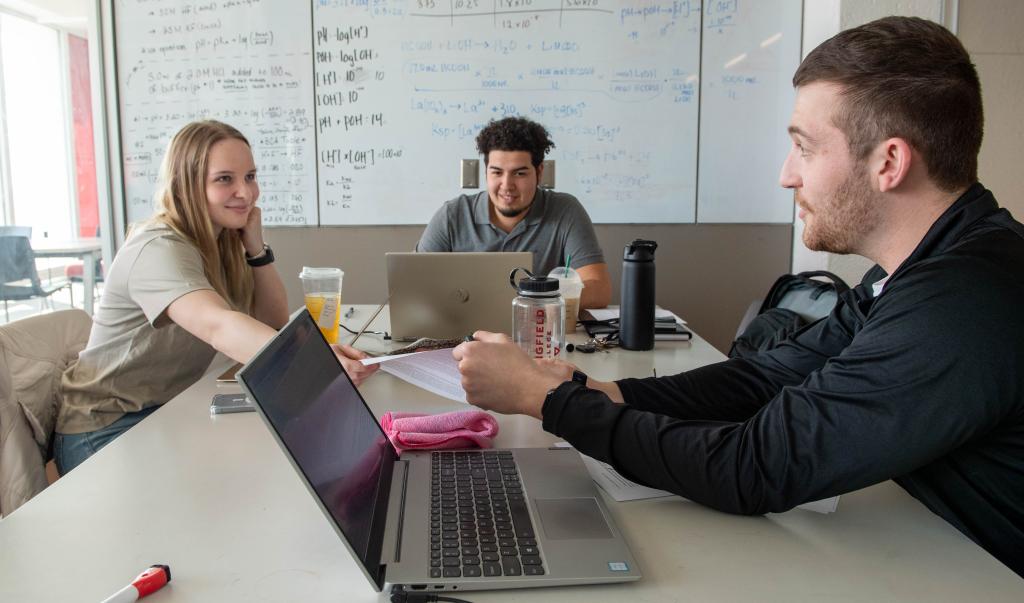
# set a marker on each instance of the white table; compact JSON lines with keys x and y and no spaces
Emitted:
{"x":89,"y":249}
{"x":214,"y":498}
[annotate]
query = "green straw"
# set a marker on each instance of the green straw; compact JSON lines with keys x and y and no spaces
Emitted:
{"x":568,"y":259}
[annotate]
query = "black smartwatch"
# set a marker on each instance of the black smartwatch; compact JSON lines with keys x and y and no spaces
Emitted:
{"x":261,"y":259}
{"x":579,"y":377}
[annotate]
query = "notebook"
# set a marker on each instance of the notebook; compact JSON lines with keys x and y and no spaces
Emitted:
{"x":431,"y":521}
{"x":665,"y":328}
{"x":451,"y":295}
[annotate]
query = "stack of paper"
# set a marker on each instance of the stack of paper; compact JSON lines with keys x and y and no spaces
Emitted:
{"x":622,"y":489}
{"x":668,"y":326}
{"x":435,"y":371}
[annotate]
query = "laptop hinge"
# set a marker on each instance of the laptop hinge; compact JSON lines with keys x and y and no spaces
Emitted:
{"x":401,"y":512}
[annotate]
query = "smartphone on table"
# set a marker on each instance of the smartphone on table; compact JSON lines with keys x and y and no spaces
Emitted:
{"x":227,"y":403}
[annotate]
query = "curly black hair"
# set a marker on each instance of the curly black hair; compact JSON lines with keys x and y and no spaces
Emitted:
{"x":515,"y":134}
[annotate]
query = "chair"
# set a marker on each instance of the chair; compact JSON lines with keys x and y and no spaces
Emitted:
{"x":16,"y":231}
{"x":34,"y":353}
{"x":794,"y":301}
{"x":19,"y":278}
{"x":75,"y":273}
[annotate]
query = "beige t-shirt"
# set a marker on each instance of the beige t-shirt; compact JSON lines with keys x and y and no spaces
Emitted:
{"x":136,"y":357}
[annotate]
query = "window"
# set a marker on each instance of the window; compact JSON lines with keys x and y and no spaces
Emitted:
{"x":48,"y":178}
{"x":38,"y":152}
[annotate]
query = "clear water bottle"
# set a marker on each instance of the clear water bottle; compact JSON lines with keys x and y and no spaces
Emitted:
{"x":636,"y":308}
{"x":538,"y":315}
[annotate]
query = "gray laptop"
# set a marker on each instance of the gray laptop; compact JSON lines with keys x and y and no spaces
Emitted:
{"x":451,"y":295}
{"x":431,"y":521}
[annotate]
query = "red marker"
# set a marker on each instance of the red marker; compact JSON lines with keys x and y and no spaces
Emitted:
{"x":146,"y":583}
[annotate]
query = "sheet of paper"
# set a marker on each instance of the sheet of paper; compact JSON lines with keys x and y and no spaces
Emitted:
{"x":614,"y":484}
{"x":825,"y":505}
{"x":379,"y":359}
{"x":622,"y":489}
{"x":435,"y":371}
{"x":613,"y":312}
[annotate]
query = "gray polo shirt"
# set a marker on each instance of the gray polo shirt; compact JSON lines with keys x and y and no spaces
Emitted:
{"x":555,"y":226}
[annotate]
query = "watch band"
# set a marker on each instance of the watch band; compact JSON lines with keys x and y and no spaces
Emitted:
{"x":579,"y":377}
{"x":261,"y":259}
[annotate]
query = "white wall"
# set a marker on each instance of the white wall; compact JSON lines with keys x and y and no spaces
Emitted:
{"x":991,"y":31}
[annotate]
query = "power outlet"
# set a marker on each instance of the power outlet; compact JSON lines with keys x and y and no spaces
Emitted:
{"x":470,"y":173}
{"x":547,"y":178}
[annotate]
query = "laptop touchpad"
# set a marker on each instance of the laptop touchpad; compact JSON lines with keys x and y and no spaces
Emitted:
{"x":572,"y":518}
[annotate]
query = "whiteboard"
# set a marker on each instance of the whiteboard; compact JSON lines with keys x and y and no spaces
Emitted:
{"x":243,"y":62}
{"x":751,"y":50}
{"x":404,"y":87}
{"x":359,"y":111}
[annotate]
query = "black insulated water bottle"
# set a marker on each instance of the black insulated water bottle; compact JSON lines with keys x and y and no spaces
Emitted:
{"x":636,"y":308}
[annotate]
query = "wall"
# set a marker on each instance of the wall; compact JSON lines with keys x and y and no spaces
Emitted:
{"x":991,"y":31}
{"x":708,"y":273}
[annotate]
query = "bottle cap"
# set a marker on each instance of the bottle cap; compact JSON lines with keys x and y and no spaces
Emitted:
{"x":640,"y":250}
{"x":533,"y":286}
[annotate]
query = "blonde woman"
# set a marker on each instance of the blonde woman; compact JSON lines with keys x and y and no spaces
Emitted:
{"x":194,"y":280}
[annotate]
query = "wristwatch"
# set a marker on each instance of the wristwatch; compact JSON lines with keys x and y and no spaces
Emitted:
{"x":262,"y":258}
{"x":578,"y":376}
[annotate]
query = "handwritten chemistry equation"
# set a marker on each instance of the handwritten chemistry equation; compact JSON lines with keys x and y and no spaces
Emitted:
{"x":360,"y":110}
{"x":411,"y":84}
{"x":236,"y":61}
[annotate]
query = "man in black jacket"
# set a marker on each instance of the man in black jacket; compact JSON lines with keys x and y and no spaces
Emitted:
{"x":915,"y":376}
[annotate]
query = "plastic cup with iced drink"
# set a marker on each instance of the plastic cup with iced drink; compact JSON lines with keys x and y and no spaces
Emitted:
{"x":322,"y":290}
{"x":570,"y":286}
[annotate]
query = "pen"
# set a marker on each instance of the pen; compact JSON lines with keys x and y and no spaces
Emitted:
{"x":148,"y":582}
{"x":372,"y":317}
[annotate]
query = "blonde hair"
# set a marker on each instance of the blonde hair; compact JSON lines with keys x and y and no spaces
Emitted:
{"x":182,"y":206}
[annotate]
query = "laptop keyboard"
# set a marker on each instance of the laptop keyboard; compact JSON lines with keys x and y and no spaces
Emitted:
{"x":479,"y":522}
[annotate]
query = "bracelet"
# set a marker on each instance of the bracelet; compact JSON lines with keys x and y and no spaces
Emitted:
{"x":264,"y":257}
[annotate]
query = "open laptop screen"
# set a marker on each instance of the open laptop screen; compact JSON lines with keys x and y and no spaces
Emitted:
{"x":332,"y":436}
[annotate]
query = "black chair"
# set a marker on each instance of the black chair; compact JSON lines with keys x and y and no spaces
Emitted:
{"x":19,"y":279}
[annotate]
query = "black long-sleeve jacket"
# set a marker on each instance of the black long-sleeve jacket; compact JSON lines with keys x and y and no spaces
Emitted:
{"x":923,"y":384}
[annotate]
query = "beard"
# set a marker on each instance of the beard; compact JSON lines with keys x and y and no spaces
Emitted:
{"x":842,"y":221}
{"x":511,"y":212}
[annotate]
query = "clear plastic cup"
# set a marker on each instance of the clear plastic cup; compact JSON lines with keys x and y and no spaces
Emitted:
{"x":322,"y":290}
{"x":570,"y":286}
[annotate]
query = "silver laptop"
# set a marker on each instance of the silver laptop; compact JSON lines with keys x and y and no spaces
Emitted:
{"x":432,"y":521}
{"x":451,"y":295}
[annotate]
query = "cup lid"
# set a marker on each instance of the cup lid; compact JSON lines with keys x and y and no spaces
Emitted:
{"x":309,"y":272}
{"x":563,"y":273}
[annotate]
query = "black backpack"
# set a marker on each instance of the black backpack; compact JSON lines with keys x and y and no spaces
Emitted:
{"x":793,"y":302}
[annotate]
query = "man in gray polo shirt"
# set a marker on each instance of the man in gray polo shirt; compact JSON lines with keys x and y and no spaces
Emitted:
{"x":513,"y":214}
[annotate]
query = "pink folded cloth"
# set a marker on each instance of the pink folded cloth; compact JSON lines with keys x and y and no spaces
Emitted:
{"x":460,"y":429}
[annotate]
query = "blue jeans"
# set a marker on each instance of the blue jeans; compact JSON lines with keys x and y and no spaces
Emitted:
{"x":70,"y":450}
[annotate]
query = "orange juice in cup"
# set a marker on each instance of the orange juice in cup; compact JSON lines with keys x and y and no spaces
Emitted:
{"x":322,"y":290}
